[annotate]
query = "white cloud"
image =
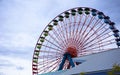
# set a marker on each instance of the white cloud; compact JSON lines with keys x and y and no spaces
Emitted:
{"x":19,"y":41}
{"x":22,"y":21}
{"x":20,"y":67}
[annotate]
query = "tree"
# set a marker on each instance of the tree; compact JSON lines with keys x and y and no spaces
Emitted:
{"x":115,"y":70}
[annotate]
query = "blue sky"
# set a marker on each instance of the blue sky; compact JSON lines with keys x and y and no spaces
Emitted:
{"x":22,"y":21}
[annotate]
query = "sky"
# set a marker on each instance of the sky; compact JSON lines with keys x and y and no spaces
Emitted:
{"x":22,"y":21}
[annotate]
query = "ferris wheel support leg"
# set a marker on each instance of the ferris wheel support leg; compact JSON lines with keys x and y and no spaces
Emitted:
{"x":62,"y":63}
{"x":70,"y":60}
{"x":66,"y":56}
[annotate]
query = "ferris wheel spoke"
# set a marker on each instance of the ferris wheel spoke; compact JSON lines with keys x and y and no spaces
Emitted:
{"x":47,"y":61}
{"x":67,"y":24}
{"x":91,"y":20}
{"x":70,"y":30}
{"x":48,"y":56}
{"x":75,"y":31}
{"x":66,"y":65}
{"x":80,"y":32}
{"x":98,"y":41}
{"x":81,"y":16}
{"x":95,"y":44}
{"x":96,"y":23}
{"x":52,"y":48}
{"x":53,"y":44}
{"x":63,"y":28}
{"x":63,"y":33}
{"x":58,"y":35}
{"x":47,"y":51}
{"x":66,"y":29}
{"x":108,"y":41}
{"x":55,"y":66}
{"x":72,"y":22}
{"x":61,"y":45}
{"x":88,"y":51}
{"x":97,"y":47}
{"x":96,"y":31}
{"x":70,"y":25}
{"x":52,"y":67}
{"x":75,"y":20}
{"x":78,"y":26}
{"x":85,"y":29}
{"x":98,"y":36}
{"x":47,"y":66}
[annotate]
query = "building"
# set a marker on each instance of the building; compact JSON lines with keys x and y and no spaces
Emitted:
{"x":94,"y":64}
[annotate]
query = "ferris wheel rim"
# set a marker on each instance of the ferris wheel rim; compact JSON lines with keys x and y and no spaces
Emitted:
{"x":55,"y":18}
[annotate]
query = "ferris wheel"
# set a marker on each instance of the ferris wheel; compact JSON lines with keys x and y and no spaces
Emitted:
{"x":73,"y":33}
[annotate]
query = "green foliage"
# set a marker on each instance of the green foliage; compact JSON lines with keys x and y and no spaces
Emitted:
{"x":82,"y":73}
{"x":110,"y":73}
{"x":115,"y":69}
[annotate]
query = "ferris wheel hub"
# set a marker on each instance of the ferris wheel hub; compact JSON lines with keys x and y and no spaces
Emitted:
{"x":72,"y":51}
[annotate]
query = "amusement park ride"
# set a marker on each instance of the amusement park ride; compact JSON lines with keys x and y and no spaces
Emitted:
{"x":75,"y":41}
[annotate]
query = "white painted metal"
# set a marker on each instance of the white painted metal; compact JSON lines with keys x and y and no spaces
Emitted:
{"x":94,"y":62}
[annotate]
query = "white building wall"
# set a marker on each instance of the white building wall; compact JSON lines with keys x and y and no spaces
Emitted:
{"x":94,"y":62}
